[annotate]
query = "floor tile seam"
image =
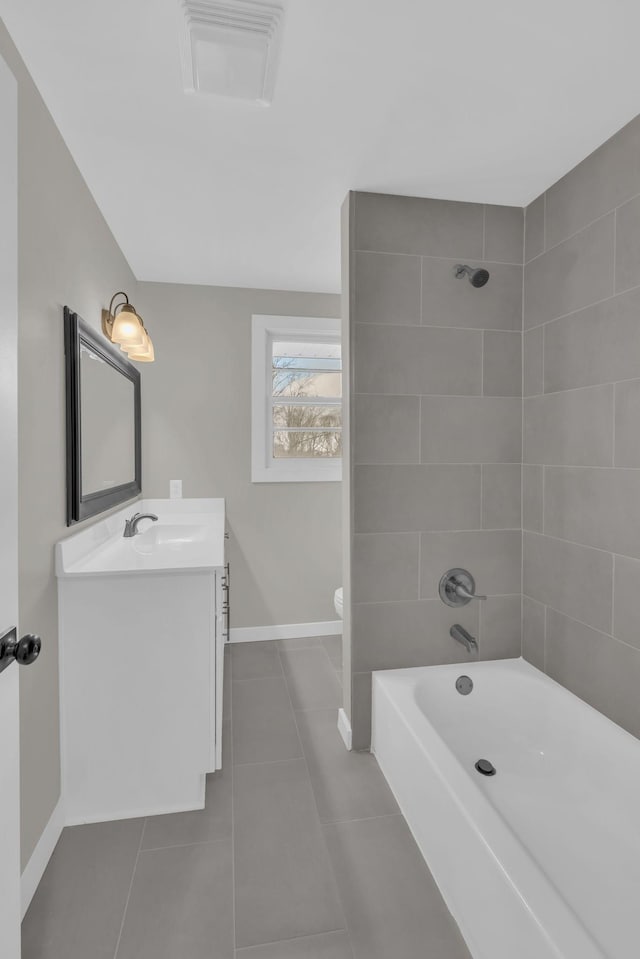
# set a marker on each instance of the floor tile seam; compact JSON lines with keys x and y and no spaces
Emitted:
{"x":278,"y":942}
{"x":186,"y":845}
{"x":129,"y":891}
{"x":272,"y":762}
{"x":386,"y":815}
{"x":342,"y":822}
{"x":336,"y":885}
{"x":254,"y":679}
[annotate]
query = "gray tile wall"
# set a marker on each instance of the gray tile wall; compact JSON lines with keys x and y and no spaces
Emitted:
{"x":435,"y":391}
{"x":581,"y":478}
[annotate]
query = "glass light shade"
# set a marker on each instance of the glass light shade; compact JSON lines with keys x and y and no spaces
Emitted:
{"x":137,"y":347}
{"x":143,"y":354}
{"x":128,"y":330}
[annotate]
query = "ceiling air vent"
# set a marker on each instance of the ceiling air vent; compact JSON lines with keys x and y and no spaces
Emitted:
{"x":231,"y":48}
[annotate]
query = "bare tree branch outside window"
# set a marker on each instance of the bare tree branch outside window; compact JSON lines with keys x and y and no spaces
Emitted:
{"x":303,"y":428}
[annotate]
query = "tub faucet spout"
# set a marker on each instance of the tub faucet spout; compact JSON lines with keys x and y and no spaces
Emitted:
{"x":460,"y":634}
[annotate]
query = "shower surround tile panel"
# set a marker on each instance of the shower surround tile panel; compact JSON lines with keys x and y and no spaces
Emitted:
{"x":496,"y":306}
{"x":503,"y":232}
{"x":446,"y":395}
{"x":597,"y":507}
{"x":412,"y":360}
{"x":386,"y":566}
{"x":502,"y":364}
{"x":534,"y":229}
{"x":386,"y":429}
{"x":493,"y":555}
{"x":465,"y":429}
{"x":599,"y":344}
{"x":596,"y":667}
{"x":390,"y":499}
{"x":388,"y":288}
{"x":591,"y":507}
{"x":399,"y":224}
{"x":573,"y":428}
{"x":573,"y":579}
{"x":571,"y":275}
{"x":602,"y":181}
{"x":501,"y":495}
{"x":628,"y":245}
{"x":533,"y":632}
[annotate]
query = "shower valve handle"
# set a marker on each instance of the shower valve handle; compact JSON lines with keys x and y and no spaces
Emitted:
{"x":457,"y":587}
{"x":461,"y":590}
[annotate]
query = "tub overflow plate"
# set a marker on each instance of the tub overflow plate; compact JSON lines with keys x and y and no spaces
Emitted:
{"x":464,"y":685}
{"x":485,"y":767}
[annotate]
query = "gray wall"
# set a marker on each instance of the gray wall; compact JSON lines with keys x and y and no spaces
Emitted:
{"x":582,"y":430}
{"x":66,"y":255}
{"x":435,"y":390}
{"x":285,"y":543}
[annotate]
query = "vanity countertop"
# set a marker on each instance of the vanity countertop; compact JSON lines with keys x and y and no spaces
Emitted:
{"x":188,"y":536}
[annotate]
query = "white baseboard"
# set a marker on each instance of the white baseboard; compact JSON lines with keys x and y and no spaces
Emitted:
{"x":255,"y":634}
{"x":34,"y":870}
{"x":344,"y":728}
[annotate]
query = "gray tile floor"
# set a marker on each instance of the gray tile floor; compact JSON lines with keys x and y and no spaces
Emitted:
{"x":300,"y":853}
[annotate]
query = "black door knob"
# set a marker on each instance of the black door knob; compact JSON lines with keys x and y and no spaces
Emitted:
{"x":28,"y":649}
{"x":25,"y":651}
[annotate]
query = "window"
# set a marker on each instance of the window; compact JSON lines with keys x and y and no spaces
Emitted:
{"x":296,"y":399}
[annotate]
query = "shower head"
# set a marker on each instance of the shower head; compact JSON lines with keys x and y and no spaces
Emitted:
{"x":477,"y":275}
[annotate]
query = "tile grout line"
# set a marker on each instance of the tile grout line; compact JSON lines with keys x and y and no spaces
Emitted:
{"x":579,"y":622}
{"x":185,"y":845}
{"x":315,"y":802}
{"x":278,"y":942}
{"x":469,"y":255}
{"x":133,"y":875}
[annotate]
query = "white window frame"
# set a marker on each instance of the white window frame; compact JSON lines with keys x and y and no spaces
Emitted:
{"x":264,"y":468}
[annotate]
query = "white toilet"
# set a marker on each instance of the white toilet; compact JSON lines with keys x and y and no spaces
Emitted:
{"x":337,"y":601}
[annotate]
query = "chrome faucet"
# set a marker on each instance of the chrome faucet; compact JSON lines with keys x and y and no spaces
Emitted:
{"x":131,"y":525}
{"x":460,"y":635}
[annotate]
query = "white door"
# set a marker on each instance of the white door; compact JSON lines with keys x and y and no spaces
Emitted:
{"x":9,"y":712}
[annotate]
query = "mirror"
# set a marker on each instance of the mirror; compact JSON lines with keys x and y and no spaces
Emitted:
{"x":103,"y":422}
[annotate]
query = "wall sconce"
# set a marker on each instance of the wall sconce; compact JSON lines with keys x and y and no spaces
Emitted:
{"x":124,"y":327}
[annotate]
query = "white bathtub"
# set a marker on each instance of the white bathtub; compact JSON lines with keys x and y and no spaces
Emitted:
{"x":542,"y":859}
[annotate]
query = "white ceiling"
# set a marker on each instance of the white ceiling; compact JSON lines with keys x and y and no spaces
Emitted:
{"x":485,"y":100}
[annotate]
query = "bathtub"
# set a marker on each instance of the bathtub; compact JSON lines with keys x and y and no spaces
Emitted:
{"x":543,"y":858}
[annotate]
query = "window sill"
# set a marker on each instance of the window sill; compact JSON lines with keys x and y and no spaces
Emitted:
{"x":328,"y":474}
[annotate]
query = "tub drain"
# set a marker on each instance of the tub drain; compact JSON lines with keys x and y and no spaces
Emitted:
{"x":464,"y":685}
{"x":485,"y":767}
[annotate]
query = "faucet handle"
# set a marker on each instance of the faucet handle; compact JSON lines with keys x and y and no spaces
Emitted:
{"x":458,"y":587}
{"x":461,"y":590}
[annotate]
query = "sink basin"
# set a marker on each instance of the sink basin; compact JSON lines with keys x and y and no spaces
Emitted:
{"x":165,"y":534}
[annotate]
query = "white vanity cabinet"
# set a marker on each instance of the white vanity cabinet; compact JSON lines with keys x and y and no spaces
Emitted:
{"x":142,"y":633}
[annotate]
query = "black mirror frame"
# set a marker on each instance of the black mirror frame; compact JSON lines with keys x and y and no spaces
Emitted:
{"x":80,"y":507}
